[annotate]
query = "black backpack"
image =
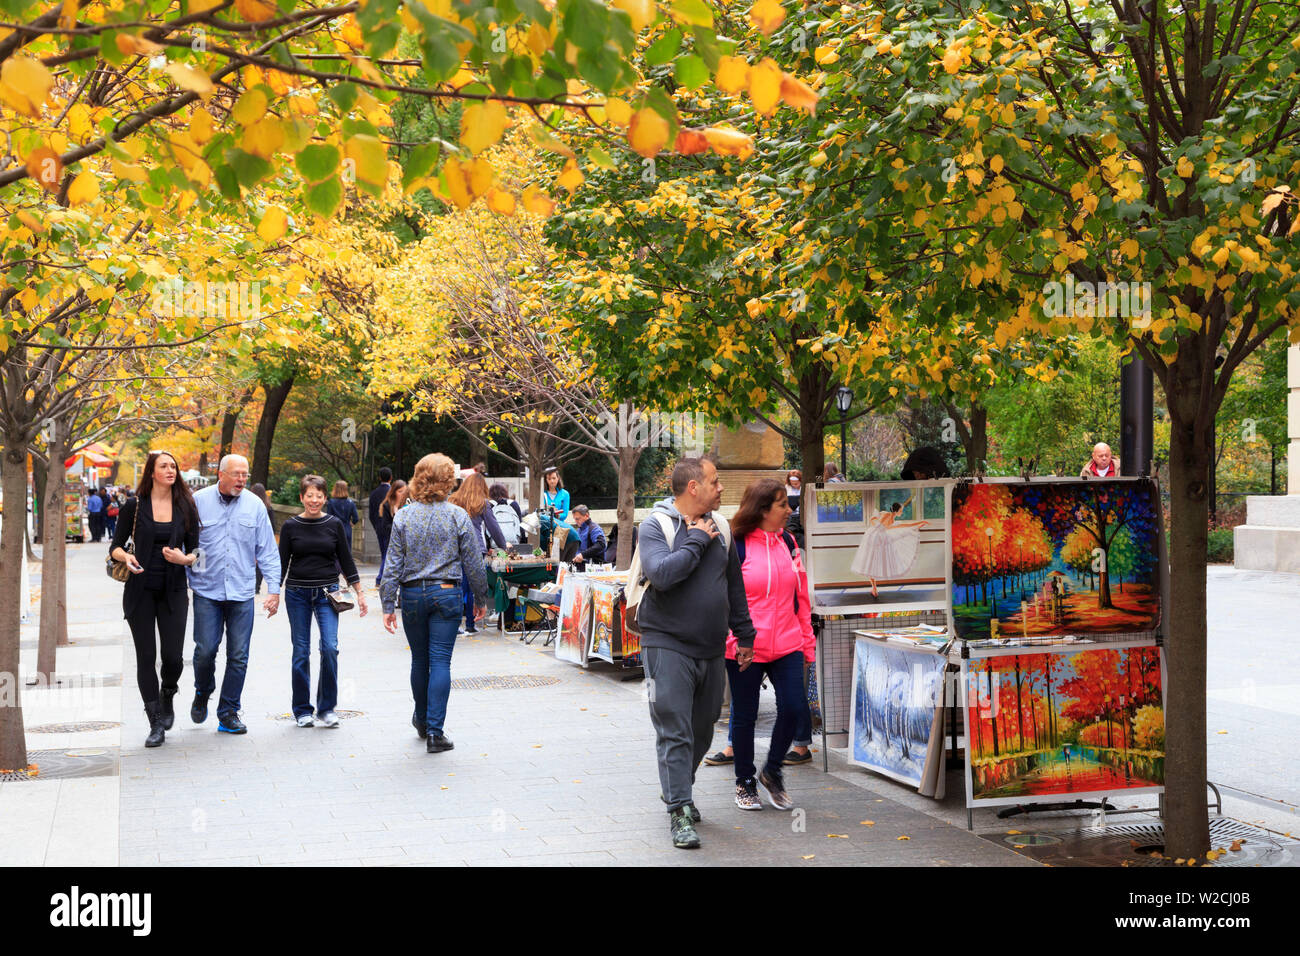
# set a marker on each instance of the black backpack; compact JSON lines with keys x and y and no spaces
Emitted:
{"x":789,"y":543}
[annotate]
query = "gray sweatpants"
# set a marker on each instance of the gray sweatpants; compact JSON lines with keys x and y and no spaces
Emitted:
{"x":685,"y":701}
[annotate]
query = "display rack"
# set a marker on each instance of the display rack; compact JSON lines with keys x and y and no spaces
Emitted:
{"x":1024,"y":585}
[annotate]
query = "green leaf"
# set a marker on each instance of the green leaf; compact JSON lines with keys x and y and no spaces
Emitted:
{"x":420,"y":162}
{"x":586,"y":24}
{"x":317,"y":162}
{"x":249,"y":169}
{"x":323,"y":198}
{"x":694,"y":12}
{"x":227,"y":181}
{"x":664,"y":49}
{"x":691,"y":71}
{"x":344,"y":96}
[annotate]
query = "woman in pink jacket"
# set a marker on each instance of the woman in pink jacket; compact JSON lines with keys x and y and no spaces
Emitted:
{"x":777,"y":590}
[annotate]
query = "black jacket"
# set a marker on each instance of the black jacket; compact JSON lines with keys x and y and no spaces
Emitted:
{"x":187,"y":539}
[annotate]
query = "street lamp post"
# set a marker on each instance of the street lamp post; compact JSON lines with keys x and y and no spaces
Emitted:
{"x":843,"y":399}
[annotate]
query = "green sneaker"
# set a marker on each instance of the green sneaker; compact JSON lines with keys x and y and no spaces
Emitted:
{"x":683,"y":829}
{"x":695,"y":813}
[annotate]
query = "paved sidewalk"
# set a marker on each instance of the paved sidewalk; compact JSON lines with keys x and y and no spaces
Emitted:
{"x":554,"y":774}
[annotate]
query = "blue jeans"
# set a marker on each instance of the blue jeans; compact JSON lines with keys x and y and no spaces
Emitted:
{"x":430,"y":618}
{"x":786,"y":674}
{"x":802,"y":720}
{"x":210,"y":619}
{"x":300,"y":604}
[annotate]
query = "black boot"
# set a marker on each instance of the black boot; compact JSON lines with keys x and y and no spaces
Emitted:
{"x":167,"y":712}
{"x":156,"y":734}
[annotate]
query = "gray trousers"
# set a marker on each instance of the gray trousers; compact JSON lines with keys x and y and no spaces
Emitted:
{"x":685,"y":700}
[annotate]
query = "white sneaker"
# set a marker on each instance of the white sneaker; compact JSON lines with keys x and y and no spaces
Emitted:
{"x":330,"y":719}
{"x":306,"y":721}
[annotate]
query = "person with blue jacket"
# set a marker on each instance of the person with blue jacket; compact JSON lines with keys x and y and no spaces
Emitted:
{"x":591,"y":540}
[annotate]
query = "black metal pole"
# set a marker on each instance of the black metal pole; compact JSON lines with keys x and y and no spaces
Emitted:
{"x":1136,"y":414}
{"x":844,"y":451}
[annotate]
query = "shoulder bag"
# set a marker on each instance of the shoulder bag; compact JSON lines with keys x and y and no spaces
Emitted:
{"x":120,"y":570}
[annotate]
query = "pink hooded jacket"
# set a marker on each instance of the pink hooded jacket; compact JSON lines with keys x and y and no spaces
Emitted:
{"x":772,"y":577}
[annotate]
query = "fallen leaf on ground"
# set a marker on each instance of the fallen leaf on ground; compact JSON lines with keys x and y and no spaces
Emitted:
{"x":837,"y":836}
{"x":905,"y":838}
{"x":810,"y":856}
{"x":868,"y":823}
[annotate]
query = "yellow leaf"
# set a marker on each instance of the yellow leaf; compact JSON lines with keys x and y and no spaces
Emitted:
{"x":798,"y":94}
{"x":837,"y":836}
{"x":767,"y":15}
{"x":457,"y":187}
{"x":370,"y":159}
{"x":249,"y":108}
{"x":571,"y":178}
{"x":919,"y":217}
{"x":809,"y":856}
{"x":265,"y":137}
{"x":83,"y":189}
{"x":274,"y":223}
{"x":1270,"y":203}
{"x":256,"y":11}
{"x":131,"y":172}
{"x":905,"y":838}
{"x":482,"y":124}
{"x":24,"y":84}
{"x":952,"y":58}
{"x":733,"y":74}
{"x":198,"y":6}
{"x":867,"y":823}
{"x":618,"y":112}
{"x":463,"y":77}
{"x":826,"y":55}
{"x":500,"y":201}
{"x":544,"y":138}
{"x":648,"y":132}
{"x":45,"y":166}
{"x":188,"y":78}
{"x":726,"y":141}
{"x":79,"y":123}
{"x":479,"y":175}
{"x":996,"y":164}
{"x":1129,"y":248}
{"x":129,"y":45}
{"x":201,"y":126}
{"x":692,"y":12}
{"x":29,"y":298}
{"x":765,"y":86}
{"x":537,"y":202}
{"x":1184,"y":167}
{"x":642,"y":12}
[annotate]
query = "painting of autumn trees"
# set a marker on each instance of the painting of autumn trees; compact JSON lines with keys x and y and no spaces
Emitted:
{"x":1044,"y":558}
{"x":1043,"y":725}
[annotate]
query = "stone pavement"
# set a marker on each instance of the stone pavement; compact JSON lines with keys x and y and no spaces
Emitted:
{"x":554,"y":774}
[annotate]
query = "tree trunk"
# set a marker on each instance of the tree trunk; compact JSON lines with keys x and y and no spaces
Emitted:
{"x":627,"y":459}
{"x":38,"y":497}
{"x":229,"y":419}
{"x":54,"y":603}
{"x":977,"y":435}
{"x":535,"y":456}
{"x":275,"y":398}
{"x":813,"y":386}
{"x":1187,"y":822}
{"x":203,"y":462}
{"x":13,"y":742}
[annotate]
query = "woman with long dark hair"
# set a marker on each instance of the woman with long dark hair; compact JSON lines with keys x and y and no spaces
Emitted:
{"x":776,"y":588}
{"x":163,"y":524}
{"x":396,"y":497}
{"x":472,"y":495}
{"x":554,"y":494}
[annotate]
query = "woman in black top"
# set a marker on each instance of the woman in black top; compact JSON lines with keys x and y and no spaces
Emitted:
{"x":310,"y":545}
{"x":163,"y":523}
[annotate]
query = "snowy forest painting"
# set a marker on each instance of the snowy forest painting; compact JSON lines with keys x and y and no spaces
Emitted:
{"x":895,"y":695}
{"x":575,"y":620}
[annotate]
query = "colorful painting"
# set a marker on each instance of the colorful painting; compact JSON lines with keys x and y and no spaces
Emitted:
{"x":839,"y":506}
{"x":1049,"y":558}
{"x":575,"y":620}
{"x":897,"y":710}
{"x":1063,"y":723}
{"x":604,"y":601}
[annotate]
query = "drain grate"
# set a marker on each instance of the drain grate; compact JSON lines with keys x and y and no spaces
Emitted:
{"x":1117,"y":845}
{"x":74,"y":728}
{"x":500,"y":682}
{"x":66,"y":764}
{"x":341,"y":714}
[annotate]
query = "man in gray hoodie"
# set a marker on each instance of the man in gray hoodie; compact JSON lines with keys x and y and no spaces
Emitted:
{"x":696,"y":595}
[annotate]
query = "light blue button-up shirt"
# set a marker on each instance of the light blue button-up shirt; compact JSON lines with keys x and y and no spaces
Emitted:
{"x":233,"y":539}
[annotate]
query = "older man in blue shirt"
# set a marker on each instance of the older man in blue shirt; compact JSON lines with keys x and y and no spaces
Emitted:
{"x":235,"y":537}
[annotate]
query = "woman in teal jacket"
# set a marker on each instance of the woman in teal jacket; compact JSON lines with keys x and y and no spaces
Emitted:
{"x":553,"y":493}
